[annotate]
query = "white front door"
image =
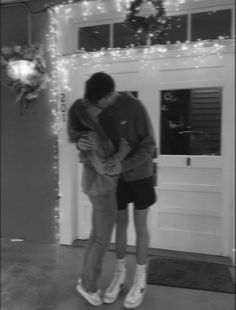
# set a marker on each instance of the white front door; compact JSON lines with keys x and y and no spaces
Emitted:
{"x":189,"y":206}
{"x":188,"y":215}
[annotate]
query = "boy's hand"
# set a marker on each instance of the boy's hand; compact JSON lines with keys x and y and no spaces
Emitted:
{"x":124,"y":149}
{"x":113,"y":167}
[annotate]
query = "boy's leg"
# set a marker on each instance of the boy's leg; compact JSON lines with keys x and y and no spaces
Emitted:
{"x":137,"y":290}
{"x":142,"y":235}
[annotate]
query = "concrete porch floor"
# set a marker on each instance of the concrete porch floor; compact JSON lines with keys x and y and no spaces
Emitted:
{"x":43,"y":277}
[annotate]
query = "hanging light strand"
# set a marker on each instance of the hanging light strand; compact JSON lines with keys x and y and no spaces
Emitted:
{"x":54,"y":91}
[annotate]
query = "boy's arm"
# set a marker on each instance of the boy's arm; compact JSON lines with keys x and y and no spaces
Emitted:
{"x":146,"y":147}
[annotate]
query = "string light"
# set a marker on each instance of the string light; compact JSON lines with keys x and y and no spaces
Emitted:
{"x":100,"y":6}
{"x":102,"y":60}
{"x":54,"y":91}
{"x":173,"y":5}
{"x":122,"y":5}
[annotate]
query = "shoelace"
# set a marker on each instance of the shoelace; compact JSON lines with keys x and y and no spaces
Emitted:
{"x":114,"y":282}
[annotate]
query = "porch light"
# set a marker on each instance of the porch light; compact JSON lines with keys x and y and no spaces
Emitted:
{"x":21,"y":70}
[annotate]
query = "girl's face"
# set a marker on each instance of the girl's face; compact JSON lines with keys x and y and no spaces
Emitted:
{"x":93,"y":110}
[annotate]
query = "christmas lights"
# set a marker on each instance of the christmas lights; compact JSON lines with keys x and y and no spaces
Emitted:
{"x":54,"y":90}
{"x":199,"y":50}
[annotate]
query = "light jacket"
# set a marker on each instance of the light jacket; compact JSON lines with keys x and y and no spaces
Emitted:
{"x":94,"y":179}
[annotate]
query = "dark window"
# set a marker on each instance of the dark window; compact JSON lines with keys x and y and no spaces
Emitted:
{"x":191,"y":121}
{"x":176,"y":30}
{"x":123,"y":37}
{"x":94,"y":37}
{"x":211,"y":25}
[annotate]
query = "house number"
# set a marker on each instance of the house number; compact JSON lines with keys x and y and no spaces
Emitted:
{"x":63,"y":107}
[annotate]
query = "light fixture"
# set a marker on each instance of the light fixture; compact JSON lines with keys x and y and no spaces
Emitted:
{"x":21,"y":70}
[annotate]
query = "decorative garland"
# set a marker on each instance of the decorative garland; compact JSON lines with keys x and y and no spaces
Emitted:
{"x":152,"y":24}
{"x":33,"y":81}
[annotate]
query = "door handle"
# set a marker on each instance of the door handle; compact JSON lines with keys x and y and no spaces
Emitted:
{"x":188,"y":161}
{"x":155,"y":173}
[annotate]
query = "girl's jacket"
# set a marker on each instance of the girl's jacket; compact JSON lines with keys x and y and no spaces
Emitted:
{"x":95,"y":181}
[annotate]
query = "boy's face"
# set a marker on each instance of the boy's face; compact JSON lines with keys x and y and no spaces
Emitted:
{"x":106,"y":101}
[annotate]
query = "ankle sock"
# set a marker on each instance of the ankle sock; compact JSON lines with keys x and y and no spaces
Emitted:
{"x":140,"y":273}
{"x":141,"y":269}
{"x":121,"y":264}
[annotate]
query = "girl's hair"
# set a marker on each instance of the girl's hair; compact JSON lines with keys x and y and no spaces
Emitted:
{"x":98,"y":86}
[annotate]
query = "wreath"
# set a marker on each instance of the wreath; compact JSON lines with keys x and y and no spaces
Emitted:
{"x":147,"y":19}
{"x":23,"y":70}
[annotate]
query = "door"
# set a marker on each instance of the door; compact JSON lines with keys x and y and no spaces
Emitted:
{"x":190,"y":173}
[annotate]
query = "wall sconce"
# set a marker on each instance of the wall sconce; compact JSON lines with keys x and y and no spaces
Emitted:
{"x":24,"y":72}
{"x":21,"y":70}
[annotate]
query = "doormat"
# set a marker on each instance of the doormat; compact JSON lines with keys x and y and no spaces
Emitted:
{"x":190,"y":274}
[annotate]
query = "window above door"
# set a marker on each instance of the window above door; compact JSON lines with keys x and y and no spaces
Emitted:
{"x":204,"y":25}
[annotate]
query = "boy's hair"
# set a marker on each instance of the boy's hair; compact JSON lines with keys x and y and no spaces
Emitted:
{"x":98,"y":86}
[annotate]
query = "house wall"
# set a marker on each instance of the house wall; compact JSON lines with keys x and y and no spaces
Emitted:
{"x":28,"y":183}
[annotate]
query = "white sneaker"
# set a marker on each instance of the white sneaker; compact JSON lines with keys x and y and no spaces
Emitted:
{"x":113,"y":290}
{"x":135,"y":296}
{"x":93,"y":298}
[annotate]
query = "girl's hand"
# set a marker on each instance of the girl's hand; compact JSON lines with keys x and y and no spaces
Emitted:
{"x":84,"y":144}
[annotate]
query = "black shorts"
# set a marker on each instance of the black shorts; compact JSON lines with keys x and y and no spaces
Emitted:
{"x":141,"y":193}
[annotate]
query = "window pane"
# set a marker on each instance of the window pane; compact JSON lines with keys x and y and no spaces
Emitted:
{"x":191,"y":121}
{"x":211,"y":25}
{"x":177,"y":30}
{"x":123,"y":37}
{"x":94,"y":37}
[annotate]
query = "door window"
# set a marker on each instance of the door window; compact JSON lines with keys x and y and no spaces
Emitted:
{"x":191,"y":121}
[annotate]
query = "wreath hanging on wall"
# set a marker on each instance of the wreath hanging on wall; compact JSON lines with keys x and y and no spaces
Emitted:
{"x":23,"y":70}
{"x":147,"y":19}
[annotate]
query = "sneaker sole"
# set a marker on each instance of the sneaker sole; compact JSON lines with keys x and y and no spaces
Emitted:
{"x":84,"y":295}
{"x":111,"y":301}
